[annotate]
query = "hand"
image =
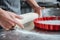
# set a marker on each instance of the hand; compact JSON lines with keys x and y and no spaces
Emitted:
{"x":8,"y":19}
{"x":38,"y":10}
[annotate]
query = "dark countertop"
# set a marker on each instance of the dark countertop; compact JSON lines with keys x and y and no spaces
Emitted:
{"x":29,"y":33}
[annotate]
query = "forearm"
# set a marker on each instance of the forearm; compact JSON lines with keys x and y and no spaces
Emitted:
{"x":32,"y":3}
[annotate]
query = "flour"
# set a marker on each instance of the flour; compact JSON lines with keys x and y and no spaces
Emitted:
{"x":51,"y":22}
{"x":19,"y":35}
{"x":25,"y":35}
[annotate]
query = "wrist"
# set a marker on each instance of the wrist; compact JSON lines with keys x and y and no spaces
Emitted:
{"x":37,"y":8}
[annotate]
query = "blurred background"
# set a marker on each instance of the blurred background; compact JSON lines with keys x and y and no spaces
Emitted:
{"x":25,"y":8}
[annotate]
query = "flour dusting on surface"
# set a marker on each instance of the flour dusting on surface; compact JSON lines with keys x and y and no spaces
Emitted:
{"x":25,"y":35}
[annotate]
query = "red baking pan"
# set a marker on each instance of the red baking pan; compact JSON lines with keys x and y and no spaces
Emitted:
{"x":48,"y":23}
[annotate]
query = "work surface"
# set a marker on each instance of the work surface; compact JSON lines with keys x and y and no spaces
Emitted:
{"x":29,"y":33}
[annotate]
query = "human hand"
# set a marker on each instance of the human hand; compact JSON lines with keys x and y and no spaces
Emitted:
{"x":8,"y":19}
{"x":38,"y":10}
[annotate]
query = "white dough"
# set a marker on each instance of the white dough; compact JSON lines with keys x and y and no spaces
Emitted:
{"x":28,"y":17}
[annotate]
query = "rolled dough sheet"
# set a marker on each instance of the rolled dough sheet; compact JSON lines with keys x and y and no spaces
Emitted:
{"x":28,"y":17}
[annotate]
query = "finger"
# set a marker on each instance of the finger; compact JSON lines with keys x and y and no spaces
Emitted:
{"x":11,"y":23}
{"x":19,"y":24}
{"x":13,"y":14}
{"x":3,"y":24}
{"x":4,"y":27}
{"x":19,"y":17}
{"x":8,"y":22}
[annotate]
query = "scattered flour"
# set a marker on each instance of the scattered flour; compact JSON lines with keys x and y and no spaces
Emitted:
{"x":25,"y":35}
